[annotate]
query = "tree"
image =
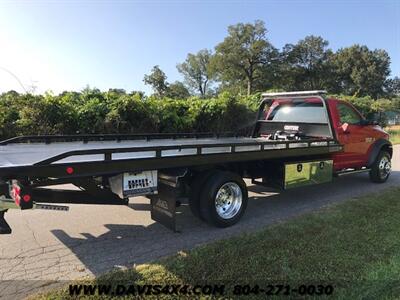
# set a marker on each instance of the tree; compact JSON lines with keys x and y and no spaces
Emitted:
{"x":362,"y":71}
{"x":93,"y":110}
{"x":392,"y":86}
{"x":307,"y":65}
{"x":197,"y":71}
{"x":157,"y":80}
{"x":113,"y":94}
{"x":140,"y":93}
{"x":9,"y":114}
{"x":118,"y":92}
{"x":177,"y":90}
{"x":243,"y":54}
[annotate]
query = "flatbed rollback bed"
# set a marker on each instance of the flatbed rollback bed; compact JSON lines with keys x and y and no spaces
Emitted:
{"x":204,"y":169}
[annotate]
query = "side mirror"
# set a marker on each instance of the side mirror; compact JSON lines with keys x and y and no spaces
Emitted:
{"x":366,"y":122}
{"x":377,"y":119}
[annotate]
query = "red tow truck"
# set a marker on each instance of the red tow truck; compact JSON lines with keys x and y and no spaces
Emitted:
{"x":298,"y":138}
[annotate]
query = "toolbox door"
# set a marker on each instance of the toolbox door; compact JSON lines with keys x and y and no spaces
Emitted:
{"x":307,"y":173}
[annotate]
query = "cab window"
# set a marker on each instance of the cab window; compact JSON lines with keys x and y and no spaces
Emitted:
{"x":347,"y":114}
{"x":299,"y":110}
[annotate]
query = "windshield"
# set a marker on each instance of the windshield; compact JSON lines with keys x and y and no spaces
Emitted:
{"x":302,"y":111}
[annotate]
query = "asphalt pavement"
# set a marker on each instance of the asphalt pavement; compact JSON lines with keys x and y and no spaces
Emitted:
{"x":89,"y":240}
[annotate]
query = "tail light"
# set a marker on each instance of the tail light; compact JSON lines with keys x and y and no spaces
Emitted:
{"x":15,"y":192}
{"x":22,"y":196}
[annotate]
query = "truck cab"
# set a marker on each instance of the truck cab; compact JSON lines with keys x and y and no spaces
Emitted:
{"x":362,"y":140}
{"x":358,"y":136}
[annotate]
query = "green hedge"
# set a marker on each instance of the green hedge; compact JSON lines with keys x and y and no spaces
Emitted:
{"x":92,"y":111}
{"x":96,"y":112}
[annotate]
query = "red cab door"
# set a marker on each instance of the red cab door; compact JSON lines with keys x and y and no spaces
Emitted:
{"x":353,"y":135}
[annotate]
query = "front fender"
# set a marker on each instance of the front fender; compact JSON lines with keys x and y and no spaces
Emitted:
{"x":377,"y":147}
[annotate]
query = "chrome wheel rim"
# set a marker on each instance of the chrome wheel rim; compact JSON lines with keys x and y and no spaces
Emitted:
{"x":228,"y":200}
{"x":385,"y":167}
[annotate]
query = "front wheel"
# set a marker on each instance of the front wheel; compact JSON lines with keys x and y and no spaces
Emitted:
{"x":223,"y":199}
{"x":381,"y":168}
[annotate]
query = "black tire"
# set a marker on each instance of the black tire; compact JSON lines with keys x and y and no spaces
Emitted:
{"x":234,"y":188}
{"x":195,"y":191}
{"x":379,"y":170}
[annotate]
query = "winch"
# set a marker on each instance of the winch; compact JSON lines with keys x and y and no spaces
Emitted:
{"x":282,"y":135}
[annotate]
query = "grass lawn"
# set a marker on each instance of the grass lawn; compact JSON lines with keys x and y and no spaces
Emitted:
{"x":394,"y":132}
{"x":353,"y":245}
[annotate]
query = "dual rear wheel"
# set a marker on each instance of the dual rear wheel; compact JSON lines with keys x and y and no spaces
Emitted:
{"x":219,"y":198}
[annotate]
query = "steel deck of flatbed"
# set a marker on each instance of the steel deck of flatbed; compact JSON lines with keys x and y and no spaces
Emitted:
{"x":34,"y":153}
{"x":112,"y":156}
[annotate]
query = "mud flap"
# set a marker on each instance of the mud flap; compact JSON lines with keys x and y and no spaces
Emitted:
{"x":4,"y":227}
{"x":163,"y":206}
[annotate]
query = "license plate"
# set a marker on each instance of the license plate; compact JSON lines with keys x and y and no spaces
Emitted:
{"x":143,"y":183}
{"x":134,"y":184}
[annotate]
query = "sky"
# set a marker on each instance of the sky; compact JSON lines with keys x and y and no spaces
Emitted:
{"x":67,"y":45}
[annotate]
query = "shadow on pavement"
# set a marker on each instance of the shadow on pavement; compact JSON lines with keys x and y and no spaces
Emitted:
{"x":126,"y":245}
{"x":140,"y":206}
